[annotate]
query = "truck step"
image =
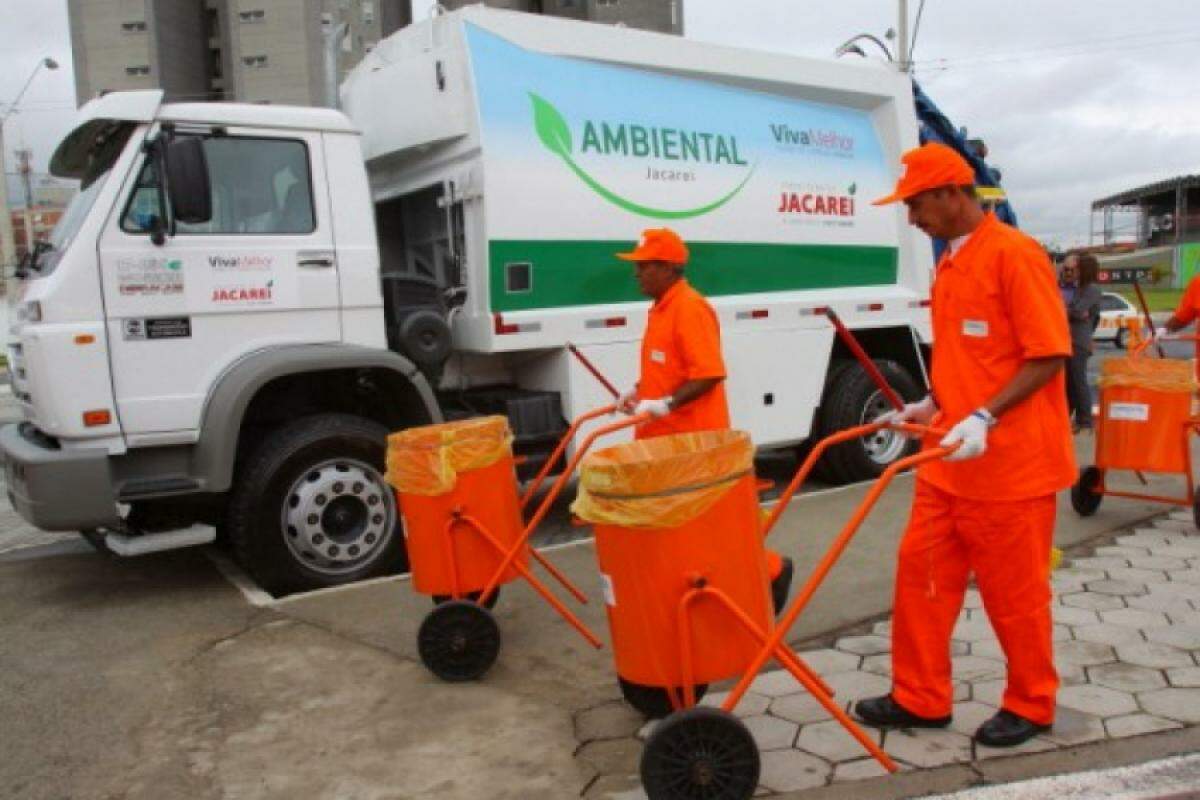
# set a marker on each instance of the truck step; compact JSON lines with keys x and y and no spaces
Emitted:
{"x":140,"y":544}
{"x":153,"y":487}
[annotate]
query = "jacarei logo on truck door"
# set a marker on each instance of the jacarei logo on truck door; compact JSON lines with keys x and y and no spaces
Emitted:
{"x":622,"y":140}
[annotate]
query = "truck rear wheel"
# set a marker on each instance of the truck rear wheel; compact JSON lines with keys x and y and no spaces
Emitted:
{"x":851,"y":398}
{"x":310,"y":507}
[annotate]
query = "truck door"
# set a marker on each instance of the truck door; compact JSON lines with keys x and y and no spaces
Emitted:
{"x":262,"y":272}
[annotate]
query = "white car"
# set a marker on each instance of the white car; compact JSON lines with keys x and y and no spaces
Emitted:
{"x":1115,"y":313}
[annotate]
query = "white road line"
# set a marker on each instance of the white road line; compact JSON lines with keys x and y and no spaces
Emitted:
{"x":233,"y":573}
{"x":1155,"y":779}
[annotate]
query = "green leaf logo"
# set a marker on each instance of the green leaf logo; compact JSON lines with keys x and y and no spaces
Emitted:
{"x":853,"y":188}
{"x":551,"y":127}
{"x":174,"y":264}
{"x":555,"y":134}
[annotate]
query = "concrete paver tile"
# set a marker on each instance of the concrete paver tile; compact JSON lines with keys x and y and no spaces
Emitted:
{"x":1125,"y":678}
{"x":771,"y":733}
{"x":975,"y":668}
{"x":828,"y":661}
{"x":962,"y":692}
{"x":1146,"y":537}
{"x":1189,"y":575}
{"x":800,"y":707}
{"x":752,"y":703}
{"x":832,"y":742}
{"x":870,"y":645}
{"x":988,"y":692}
{"x":1137,"y":724}
{"x":1154,"y":655}
{"x":1182,"y":705}
{"x":1071,"y":674}
{"x":1184,"y":677}
{"x":1074,"y":727}
{"x":1104,"y":633}
{"x":1122,"y":551}
{"x":1121,"y":588}
{"x":1177,"y":589}
{"x":612,"y":756}
{"x":1137,"y":575}
{"x":1069,"y":615}
{"x":880,"y":664}
{"x":1092,"y":601}
{"x":989,"y":648}
{"x":613,"y":720}
{"x":791,"y":771}
{"x":1157,"y":562}
{"x":861,"y":770}
{"x":1166,"y":603}
{"x":1079,"y":574}
{"x":1177,"y":521}
{"x":970,"y":715}
{"x":882,"y":628}
{"x":850,"y":686}
{"x":1135,"y":618}
{"x":1187,"y":618}
{"x":928,"y":748}
{"x":648,"y":728}
{"x":1083,"y":654}
{"x":972,"y":599}
{"x":1185,"y":637}
{"x":1062,"y":633}
{"x":1099,"y":562}
{"x":616,"y":787}
{"x":1035,"y":745}
{"x":776,"y":683}
{"x":973,"y":630}
{"x":1185,"y":550}
{"x":1098,"y":700}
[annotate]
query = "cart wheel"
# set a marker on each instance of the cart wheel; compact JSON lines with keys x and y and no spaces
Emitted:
{"x":1196,"y":507}
{"x":1084,"y":498}
{"x":438,"y":599}
{"x":700,"y":753}
{"x":458,"y":641}
{"x":653,"y":701}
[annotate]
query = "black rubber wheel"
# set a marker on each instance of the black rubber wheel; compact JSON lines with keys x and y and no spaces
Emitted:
{"x":458,"y":641}
{"x":310,"y":508}
{"x":438,"y":599}
{"x":781,"y":586}
{"x":652,"y":701}
{"x":1119,"y":339}
{"x":1084,"y":499}
{"x":1196,"y":507}
{"x":700,"y":754}
{"x":851,"y":398}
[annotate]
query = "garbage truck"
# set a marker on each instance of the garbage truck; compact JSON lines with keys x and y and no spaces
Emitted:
{"x":244,"y":299}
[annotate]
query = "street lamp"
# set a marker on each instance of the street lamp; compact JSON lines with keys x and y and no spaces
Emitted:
{"x":9,"y":252}
{"x":849,"y":46}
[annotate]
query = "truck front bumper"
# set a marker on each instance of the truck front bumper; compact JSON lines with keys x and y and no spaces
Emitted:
{"x":56,"y":489}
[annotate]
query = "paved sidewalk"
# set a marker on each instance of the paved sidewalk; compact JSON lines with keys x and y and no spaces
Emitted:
{"x":1127,"y":644}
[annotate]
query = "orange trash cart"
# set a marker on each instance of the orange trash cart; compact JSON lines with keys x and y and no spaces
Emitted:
{"x":457,"y":491}
{"x":1147,"y":417}
{"x":680,"y":543}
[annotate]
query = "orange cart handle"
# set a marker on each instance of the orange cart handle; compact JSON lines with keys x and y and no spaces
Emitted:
{"x":1139,"y":349}
{"x":815,"y":454}
{"x":561,"y":448}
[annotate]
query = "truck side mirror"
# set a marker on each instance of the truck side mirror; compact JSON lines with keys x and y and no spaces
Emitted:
{"x":188,"y":187}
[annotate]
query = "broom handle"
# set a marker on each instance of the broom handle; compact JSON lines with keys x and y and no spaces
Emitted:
{"x":1146,"y":310}
{"x":852,"y":343}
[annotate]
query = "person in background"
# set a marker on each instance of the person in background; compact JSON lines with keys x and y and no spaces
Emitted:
{"x":1083,"y":314}
{"x":682,"y":378}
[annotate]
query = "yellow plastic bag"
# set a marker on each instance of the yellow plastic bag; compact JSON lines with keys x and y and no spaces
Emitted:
{"x":427,"y":460}
{"x":1155,"y":374}
{"x":662,"y":482}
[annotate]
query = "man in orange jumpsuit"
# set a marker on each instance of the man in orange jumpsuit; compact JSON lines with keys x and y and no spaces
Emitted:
{"x":681,"y":382}
{"x":1189,"y":309}
{"x":999,"y":343}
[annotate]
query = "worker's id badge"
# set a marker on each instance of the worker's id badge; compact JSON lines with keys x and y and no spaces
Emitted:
{"x":975,"y":327}
{"x":658,"y":356}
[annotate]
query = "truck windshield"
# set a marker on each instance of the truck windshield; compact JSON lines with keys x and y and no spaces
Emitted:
{"x":103,"y":152}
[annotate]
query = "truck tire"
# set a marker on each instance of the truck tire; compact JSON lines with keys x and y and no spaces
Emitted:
{"x":310,"y":507}
{"x":851,"y":398}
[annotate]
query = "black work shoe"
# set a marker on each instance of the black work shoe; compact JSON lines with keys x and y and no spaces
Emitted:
{"x":1007,"y":729}
{"x":782,"y":585}
{"x":884,"y":712}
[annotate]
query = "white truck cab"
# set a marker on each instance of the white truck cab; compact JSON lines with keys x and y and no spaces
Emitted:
{"x":244,"y":299}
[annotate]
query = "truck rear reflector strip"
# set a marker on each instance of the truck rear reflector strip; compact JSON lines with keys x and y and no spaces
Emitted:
{"x":608,"y":322}
{"x":817,"y":311}
{"x":870,"y":307}
{"x":97,"y":417}
{"x":504,"y":328}
{"x":918,"y":303}
{"x":757,"y":313}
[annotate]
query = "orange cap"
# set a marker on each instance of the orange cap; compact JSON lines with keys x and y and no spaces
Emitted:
{"x":658,"y":244}
{"x":929,"y":166}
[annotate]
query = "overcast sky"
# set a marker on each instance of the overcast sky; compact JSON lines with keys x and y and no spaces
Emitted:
{"x":1075,"y":99}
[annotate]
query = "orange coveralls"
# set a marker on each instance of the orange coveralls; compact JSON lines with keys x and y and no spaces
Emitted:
{"x":1189,"y":309}
{"x":994,"y":305}
{"x":683,"y":343}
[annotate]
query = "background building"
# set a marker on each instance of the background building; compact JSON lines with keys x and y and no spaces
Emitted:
{"x":270,"y":50}
{"x":1159,"y":226}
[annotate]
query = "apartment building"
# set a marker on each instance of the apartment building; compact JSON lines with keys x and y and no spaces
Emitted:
{"x":272,"y":51}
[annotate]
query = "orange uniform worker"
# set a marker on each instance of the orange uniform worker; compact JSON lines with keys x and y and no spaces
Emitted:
{"x":1000,"y":340}
{"x":681,"y":382}
{"x":1189,"y":309}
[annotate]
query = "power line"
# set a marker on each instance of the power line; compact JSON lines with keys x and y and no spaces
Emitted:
{"x":916,"y":31}
{"x":1066,"y":50}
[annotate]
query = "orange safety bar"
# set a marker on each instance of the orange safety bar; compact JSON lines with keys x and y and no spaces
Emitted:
{"x":774,"y":646}
{"x":559,"y":449}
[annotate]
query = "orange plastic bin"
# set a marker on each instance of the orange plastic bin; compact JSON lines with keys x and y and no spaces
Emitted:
{"x":672,"y":513}
{"x":1145,"y":405}
{"x":441,"y":472}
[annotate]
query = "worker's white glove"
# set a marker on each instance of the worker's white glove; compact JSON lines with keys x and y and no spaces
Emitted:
{"x":658,"y":407}
{"x":921,"y":412}
{"x":972,"y":433}
{"x":627,"y":401}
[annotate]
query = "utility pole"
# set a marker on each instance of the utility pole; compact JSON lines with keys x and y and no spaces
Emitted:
{"x":26,"y":171}
{"x":8,"y":252}
{"x":902,"y":38}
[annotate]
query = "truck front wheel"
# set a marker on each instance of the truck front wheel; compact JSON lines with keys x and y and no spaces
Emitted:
{"x":310,"y":507}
